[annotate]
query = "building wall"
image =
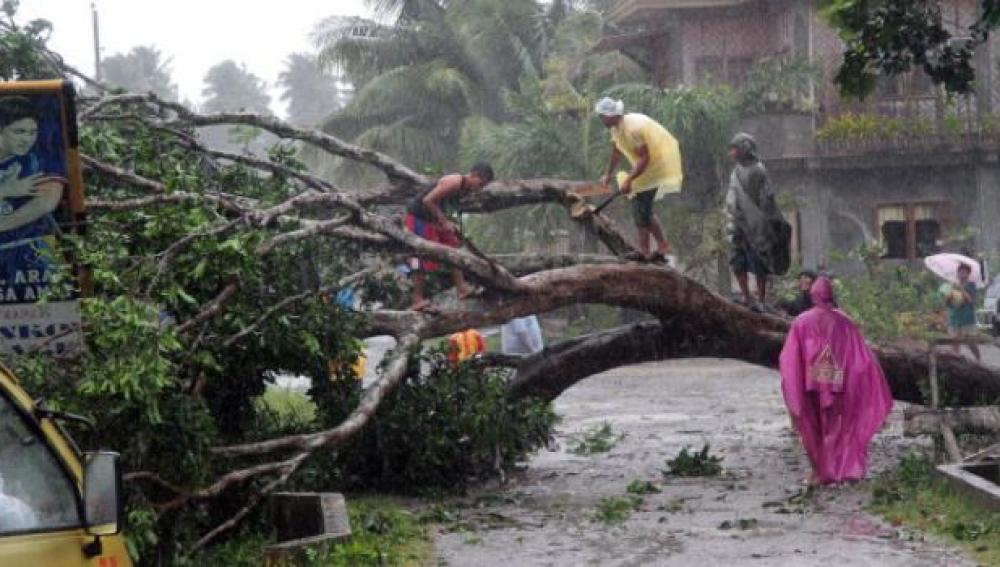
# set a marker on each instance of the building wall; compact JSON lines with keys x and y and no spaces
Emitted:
{"x":837,"y":205}
{"x":719,"y":46}
{"x":838,"y":197}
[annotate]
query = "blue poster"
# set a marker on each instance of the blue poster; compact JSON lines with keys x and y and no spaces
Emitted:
{"x":41,"y":199}
{"x":33,"y":179}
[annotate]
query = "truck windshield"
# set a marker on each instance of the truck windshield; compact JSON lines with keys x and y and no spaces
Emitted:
{"x":35,"y":492}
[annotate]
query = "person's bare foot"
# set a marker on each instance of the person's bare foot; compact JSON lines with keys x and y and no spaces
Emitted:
{"x":465,"y":292}
{"x":421,"y":305}
{"x":813,"y":480}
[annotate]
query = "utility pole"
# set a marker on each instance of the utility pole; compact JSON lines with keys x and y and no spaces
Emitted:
{"x":97,"y":43}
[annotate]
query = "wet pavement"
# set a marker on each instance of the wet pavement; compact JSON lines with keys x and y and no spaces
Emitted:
{"x":754,"y":514}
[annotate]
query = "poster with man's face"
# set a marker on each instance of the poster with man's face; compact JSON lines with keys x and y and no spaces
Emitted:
{"x":41,"y":201}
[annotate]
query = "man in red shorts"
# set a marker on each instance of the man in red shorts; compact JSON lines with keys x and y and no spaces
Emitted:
{"x":425,"y":217}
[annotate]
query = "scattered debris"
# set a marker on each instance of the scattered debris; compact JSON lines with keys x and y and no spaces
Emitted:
{"x":642,"y":487}
{"x":596,"y":440}
{"x":687,"y":464}
{"x":742,"y":524}
{"x":616,"y":509}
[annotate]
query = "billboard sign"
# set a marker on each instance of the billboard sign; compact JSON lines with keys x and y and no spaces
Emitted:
{"x":41,"y":201}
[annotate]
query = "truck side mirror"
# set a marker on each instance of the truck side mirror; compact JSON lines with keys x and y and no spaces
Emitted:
{"x":102,"y":493}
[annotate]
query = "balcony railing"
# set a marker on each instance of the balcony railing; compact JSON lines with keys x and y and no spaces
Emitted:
{"x":908,"y":144}
{"x":638,"y":10}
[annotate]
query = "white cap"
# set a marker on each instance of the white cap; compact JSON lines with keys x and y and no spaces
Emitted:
{"x":610,"y":107}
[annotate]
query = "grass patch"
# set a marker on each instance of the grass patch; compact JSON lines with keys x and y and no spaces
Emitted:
{"x":600,"y":439}
{"x":912,"y":496}
{"x":615,"y":509}
{"x":384,"y":534}
{"x":641,"y":487}
{"x":288,"y":407}
{"x":492,"y":342}
{"x":688,"y":464}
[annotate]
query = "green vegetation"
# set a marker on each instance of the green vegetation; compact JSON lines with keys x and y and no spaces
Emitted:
{"x":439,"y":430}
{"x":780,"y":84}
{"x":641,"y":487}
{"x":687,"y":464}
{"x":615,"y":509}
{"x":912,"y":496}
{"x":893,"y":37}
{"x":889,"y":302}
{"x":598,"y":439}
{"x":797,"y":503}
{"x":289,"y":409}
{"x":850,"y":127}
{"x":739,"y":524}
{"x":384,"y":534}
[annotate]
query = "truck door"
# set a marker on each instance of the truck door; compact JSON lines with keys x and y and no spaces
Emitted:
{"x":40,"y":509}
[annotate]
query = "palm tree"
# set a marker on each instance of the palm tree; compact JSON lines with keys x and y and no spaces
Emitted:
{"x":438,"y":62}
{"x":312,"y":94}
{"x":549,"y":128}
{"x":231,"y":87}
{"x":141,"y":70}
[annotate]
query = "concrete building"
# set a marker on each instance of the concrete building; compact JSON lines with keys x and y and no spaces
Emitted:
{"x":924,"y":176}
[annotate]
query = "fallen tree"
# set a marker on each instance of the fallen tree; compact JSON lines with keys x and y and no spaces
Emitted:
{"x":692,"y":321}
{"x":981,"y":420}
{"x":252,"y":215}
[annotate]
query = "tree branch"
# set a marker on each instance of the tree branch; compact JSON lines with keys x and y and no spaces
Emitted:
{"x":390,"y":167}
{"x":291,"y":465}
{"x":121,"y":174}
{"x":353,"y":278}
{"x":395,"y":370}
{"x":211,"y":309}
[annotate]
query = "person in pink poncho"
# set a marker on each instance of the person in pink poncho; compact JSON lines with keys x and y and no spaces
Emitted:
{"x":834,"y":388}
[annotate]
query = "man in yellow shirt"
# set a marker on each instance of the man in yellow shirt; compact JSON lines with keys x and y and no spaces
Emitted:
{"x":656,"y":170}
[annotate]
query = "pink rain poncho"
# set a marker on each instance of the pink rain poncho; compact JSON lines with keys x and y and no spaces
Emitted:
{"x":834,"y":388}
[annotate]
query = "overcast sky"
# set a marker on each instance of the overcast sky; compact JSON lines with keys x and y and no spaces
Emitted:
{"x":194,"y":34}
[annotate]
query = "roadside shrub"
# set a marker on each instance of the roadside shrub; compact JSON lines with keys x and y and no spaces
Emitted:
{"x":700,"y":463}
{"x":890,"y":302}
{"x":445,"y":426}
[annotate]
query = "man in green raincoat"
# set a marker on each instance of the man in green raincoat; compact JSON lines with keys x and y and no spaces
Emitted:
{"x":758,"y":233}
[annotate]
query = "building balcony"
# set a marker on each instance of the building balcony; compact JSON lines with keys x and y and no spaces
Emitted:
{"x":906,"y":125}
{"x":642,"y":11}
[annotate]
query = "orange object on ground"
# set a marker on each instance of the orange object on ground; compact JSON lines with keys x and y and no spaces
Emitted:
{"x":464,"y":345}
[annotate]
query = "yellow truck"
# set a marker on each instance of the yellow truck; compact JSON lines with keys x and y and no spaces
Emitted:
{"x":59,"y":507}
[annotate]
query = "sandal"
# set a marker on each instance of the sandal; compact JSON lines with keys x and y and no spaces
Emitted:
{"x":658,"y":258}
{"x":635,"y":256}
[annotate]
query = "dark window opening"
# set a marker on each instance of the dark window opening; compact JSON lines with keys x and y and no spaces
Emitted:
{"x":894,"y":237}
{"x":928,"y":235}
{"x":910,"y":231}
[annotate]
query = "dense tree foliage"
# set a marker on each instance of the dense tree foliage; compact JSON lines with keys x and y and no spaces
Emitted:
{"x":891,"y":37}
{"x":231,"y":87}
{"x":434,"y":64}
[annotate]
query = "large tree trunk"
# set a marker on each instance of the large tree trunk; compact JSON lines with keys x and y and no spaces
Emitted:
{"x":692,"y":322}
{"x":922,"y":421}
{"x":551,"y":372}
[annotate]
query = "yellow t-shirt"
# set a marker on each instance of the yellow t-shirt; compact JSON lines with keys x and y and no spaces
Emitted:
{"x":664,"y":171}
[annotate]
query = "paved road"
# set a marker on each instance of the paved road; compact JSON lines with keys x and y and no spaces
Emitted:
{"x":543,"y":517}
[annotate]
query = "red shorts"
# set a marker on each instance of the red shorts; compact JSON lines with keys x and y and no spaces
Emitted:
{"x":428,"y":231}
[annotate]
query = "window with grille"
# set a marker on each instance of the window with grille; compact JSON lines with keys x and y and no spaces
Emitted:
{"x":910,"y":230}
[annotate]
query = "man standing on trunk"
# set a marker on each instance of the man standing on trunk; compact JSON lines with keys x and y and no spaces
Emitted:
{"x":426,"y":216}
{"x":757,"y":231}
{"x":656,"y":170}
